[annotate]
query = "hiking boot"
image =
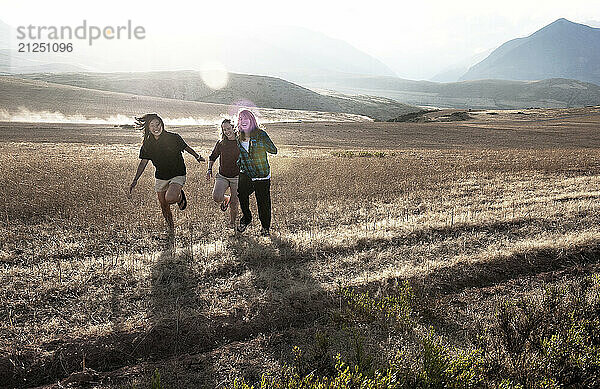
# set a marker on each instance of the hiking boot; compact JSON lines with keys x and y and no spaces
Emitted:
{"x":182,"y":203}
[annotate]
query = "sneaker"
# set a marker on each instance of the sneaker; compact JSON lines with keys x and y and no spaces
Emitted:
{"x":242,"y":227}
{"x":225,"y":203}
{"x":264,"y":232}
{"x":182,"y":204}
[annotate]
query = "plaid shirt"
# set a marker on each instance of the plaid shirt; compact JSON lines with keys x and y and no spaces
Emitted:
{"x":254,"y":162}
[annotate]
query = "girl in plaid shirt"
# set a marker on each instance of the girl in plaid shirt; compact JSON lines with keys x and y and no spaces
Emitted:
{"x":255,"y":172}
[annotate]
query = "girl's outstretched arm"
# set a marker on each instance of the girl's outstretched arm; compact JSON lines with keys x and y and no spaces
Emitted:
{"x":216,"y":153}
{"x":138,"y":173}
{"x":194,"y":154}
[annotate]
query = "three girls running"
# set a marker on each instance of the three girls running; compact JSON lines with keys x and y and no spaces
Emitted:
{"x":244,"y":168}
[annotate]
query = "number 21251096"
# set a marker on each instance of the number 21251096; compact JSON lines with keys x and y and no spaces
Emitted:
{"x":45,"y":47}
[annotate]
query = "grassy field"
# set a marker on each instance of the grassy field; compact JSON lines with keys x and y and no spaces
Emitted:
{"x":402,"y":255}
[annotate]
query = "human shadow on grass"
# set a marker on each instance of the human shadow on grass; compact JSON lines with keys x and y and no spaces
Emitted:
{"x":180,"y":332}
{"x":287,"y":297}
{"x":173,"y":327}
{"x":280,"y":271}
{"x":282,"y":294}
{"x":176,"y":323}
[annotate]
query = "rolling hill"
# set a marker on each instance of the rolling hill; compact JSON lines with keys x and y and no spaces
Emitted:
{"x":562,"y":49}
{"x":32,"y":100}
{"x":262,"y":91}
{"x":5,"y":47}
{"x":478,"y":94}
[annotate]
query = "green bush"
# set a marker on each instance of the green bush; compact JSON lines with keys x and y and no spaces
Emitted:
{"x":552,"y":340}
{"x":440,"y":370}
{"x":549,"y":340}
{"x":156,"y":380}
{"x":395,"y":310}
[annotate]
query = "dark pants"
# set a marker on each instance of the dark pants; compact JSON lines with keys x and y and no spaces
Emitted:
{"x":262,"y":192}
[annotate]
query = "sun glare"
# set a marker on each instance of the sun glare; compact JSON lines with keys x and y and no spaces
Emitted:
{"x":215,"y":75}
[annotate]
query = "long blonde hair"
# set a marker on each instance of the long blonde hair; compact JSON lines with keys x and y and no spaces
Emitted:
{"x":250,"y":116}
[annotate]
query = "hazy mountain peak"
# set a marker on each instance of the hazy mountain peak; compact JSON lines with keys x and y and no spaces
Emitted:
{"x":560,"y":21}
{"x":561,"y":26}
{"x":562,"y":49}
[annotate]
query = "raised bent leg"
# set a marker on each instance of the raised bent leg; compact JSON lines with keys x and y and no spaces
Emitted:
{"x":221,"y":185}
{"x":173,"y":193}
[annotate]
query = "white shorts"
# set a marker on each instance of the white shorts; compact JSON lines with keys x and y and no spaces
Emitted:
{"x":163,"y":185}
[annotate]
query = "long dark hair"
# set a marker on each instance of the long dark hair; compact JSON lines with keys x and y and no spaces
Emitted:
{"x":143,"y":123}
{"x":222,"y":135}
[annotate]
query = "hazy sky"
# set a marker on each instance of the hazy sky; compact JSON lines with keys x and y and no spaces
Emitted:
{"x":416,"y":39}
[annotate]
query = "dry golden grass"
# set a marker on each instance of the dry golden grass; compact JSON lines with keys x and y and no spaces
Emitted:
{"x":88,"y":275}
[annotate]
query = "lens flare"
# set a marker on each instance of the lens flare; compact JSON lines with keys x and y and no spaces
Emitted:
{"x":215,"y":75}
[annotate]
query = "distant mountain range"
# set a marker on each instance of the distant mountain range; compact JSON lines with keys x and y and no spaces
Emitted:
{"x":557,"y":66}
{"x":564,"y":57}
{"x":262,"y":91}
{"x":562,"y":49}
{"x":295,"y":54}
{"x":478,"y":94}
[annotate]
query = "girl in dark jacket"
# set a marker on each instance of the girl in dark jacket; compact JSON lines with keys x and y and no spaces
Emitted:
{"x":227,"y":150}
